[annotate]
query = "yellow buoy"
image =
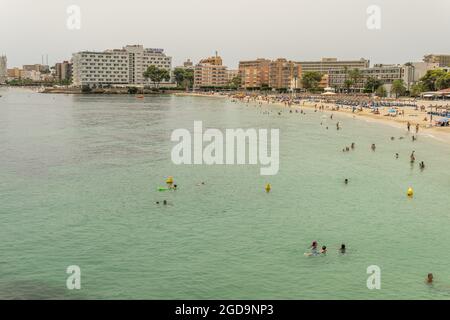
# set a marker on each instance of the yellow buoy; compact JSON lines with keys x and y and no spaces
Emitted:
{"x":169,"y":180}
{"x":268,"y":187}
{"x":410,"y":192}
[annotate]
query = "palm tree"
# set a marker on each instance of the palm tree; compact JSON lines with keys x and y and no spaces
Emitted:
{"x":355,"y":75}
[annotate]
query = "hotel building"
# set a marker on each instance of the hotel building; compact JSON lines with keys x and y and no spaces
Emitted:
{"x":210,"y":73}
{"x":326,"y":65}
{"x":410,"y":73}
{"x":442,"y":59}
{"x":3,"y":69}
{"x":254,"y":73}
{"x":124,"y":66}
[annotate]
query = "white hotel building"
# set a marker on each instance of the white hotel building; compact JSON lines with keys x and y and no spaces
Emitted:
{"x":117,"y":66}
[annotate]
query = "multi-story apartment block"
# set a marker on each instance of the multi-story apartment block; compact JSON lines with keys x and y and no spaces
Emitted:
{"x":3,"y":69}
{"x":210,"y":72}
{"x":254,"y":73}
{"x":283,"y":73}
{"x":442,"y":59}
{"x":118,"y":66}
{"x":63,"y":71}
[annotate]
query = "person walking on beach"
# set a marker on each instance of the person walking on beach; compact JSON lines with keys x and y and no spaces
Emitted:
{"x":408,"y":125}
{"x":417,"y":128}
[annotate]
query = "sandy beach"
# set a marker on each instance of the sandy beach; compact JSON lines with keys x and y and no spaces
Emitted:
{"x":408,"y":114}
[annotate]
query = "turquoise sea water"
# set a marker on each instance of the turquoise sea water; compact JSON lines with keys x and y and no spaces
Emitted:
{"x":78,"y":179}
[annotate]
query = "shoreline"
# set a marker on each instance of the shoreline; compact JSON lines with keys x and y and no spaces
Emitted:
{"x":411,"y":115}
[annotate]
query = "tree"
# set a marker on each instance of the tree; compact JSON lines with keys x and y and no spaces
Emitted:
{"x":156,"y":75}
{"x":430,"y":79}
{"x":348,"y":84}
{"x":381,"y":92}
{"x":184,"y":77}
{"x":443,"y":82}
{"x":188,"y":78}
{"x":132,"y":90}
{"x":398,"y":88}
{"x":235,"y":82}
{"x":178,"y":74}
{"x":86,"y":88}
{"x":417,"y":89}
{"x":311,"y":80}
{"x":355,"y":75}
{"x":372,"y":84}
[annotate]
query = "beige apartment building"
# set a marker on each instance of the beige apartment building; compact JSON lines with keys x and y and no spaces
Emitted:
{"x":442,"y":59}
{"x":210,"y":72}
{"x":254,"y":73}
{"x":282,"y":73}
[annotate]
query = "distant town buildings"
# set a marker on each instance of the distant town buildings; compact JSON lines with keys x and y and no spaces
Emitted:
{"x":442,"y":59}
{"x":124,"y":66}
{"x":3,"y":69}
{"x":36,"y":67}
{"x":210,"y":73}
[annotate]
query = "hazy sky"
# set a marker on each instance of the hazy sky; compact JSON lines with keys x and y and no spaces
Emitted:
{"x":238,"y":29}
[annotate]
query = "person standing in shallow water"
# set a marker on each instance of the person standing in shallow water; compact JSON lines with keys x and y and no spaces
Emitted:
{"x":373,"y":147}
{"x":429,"y":279}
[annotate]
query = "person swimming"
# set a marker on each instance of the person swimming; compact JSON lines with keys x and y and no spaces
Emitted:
{"x":430,"y":278}
{"x":373,"y":147}
{"x":346,"y":181}
{"x":165,"y":202}
{"x":412,"y":157}
{"x":342,"y":249}
{"x":324,"y":250}
{"x":314,"y":248}
{"x":422,"y":165}
{"x":396,"y":156}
